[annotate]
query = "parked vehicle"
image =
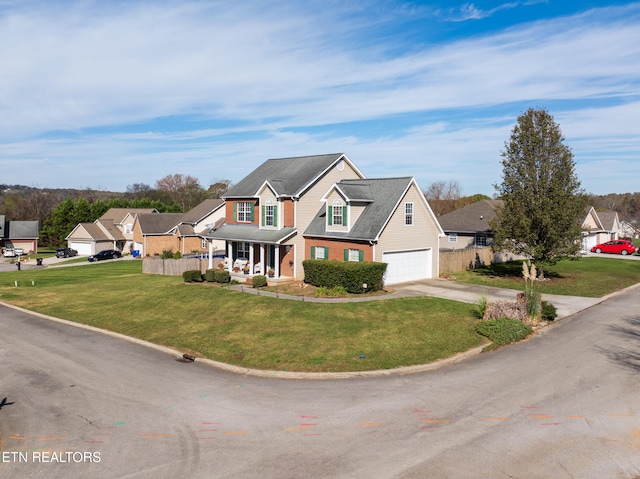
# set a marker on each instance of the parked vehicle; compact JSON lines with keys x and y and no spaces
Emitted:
{"x":623,"y":247}
{"x":66,"y":252}
{"x":105,"y":254}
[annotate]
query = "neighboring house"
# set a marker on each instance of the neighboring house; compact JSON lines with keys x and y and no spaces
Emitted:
{"x":113,"y":230}
{"x":322,"y":207}
{"x":21,"y":234}
{"x":599,"y":227}
{"x":179,"y":232}
{"x":386,"y":220}
{"x":629,"y":230}
{"x":468,"y":227}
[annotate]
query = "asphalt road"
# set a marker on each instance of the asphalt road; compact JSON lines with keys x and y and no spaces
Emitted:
{"x":564,"y":404}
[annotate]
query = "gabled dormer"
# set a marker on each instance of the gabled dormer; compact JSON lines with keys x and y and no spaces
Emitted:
{"x":269,"y":210}
{"x":344,"y":205}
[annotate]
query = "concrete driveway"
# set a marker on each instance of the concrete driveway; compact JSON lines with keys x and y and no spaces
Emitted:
{"x":471,"y":293}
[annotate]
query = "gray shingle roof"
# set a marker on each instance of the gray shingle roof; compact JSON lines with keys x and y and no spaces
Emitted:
{"x":380,"y":196}
{"x":116,"y":215}
{"x":200,"y":211}
{"x":288,"y":176}
{"x":158,"y":223}
{"x":20,"y":230}
{"x":252,"y":233}
{"x":113,"y":230}
{"x":94,"y":231}
{"x":607,"y":218}
{"x":473,"y":218}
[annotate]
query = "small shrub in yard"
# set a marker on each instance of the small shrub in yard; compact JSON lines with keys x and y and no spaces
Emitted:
{"x":209,"y":275}
{"x":222,"y":276}
{"x":503,"y":330}
{"x":259,"y":281}
{"x":177,"y":255}
{"x":334,"y":292}
{"x":481,"y":307}
{"x":549,"y":311}
{"x":192,"y":276}
{"x":167,"y":254}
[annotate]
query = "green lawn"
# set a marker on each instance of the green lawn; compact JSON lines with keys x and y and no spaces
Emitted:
{"x":247,"y":330}
{"x":588,"y":276}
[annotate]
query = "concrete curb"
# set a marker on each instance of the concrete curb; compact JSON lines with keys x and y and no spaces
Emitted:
{"x":302,"y":375}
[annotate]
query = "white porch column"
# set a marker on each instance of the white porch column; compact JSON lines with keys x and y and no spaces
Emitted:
{"x":210,"y":254}
{"x":251,"y":257}
{"x":263,"y":269}
{"x":277,"y":261}
{"x":230,"y":256}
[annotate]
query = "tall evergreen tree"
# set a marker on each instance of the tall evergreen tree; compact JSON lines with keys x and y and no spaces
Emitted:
{"x":543,"y":200}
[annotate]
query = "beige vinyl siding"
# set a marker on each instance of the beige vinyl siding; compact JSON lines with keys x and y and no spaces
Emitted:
{"x":590,"y":222}
{"x":309,"y":204}
{"x":355,"y":210}
{"x":422,"y":234}
{"x":265,"y":195}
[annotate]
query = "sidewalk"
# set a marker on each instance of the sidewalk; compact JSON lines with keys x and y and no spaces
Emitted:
{"x":446,"y":289}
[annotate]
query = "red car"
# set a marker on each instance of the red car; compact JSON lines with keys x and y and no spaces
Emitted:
{"x":617,"y":246}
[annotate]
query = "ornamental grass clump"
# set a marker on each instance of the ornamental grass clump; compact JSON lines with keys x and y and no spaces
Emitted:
{"x":533,"y":299}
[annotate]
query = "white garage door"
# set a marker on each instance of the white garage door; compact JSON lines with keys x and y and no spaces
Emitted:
{"x":81,"y":248}
{"x":407,"y":265}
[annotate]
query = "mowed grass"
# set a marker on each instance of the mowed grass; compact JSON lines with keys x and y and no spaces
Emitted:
{"x":587,"y":276}
{"x":247,"y":330}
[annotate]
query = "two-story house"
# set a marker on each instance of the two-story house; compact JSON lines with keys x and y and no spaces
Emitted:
{"x":322,"y":207}
{"x":268,"y":209}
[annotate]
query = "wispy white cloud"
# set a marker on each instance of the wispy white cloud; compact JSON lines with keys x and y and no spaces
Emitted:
{"x":89,"y":83}
{"x":469,"y":11}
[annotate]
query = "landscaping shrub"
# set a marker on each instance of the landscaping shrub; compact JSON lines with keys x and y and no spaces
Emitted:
{"x":222,"y":276}
{"x":350,"y":275}
{"x":209,"y":275}
{"x":177,"y":255}
{"x":504,"y":330}
{"x":167,"y":254}
{"x":192,"y":276}
{"x":259,"y":281}
{"x":549,"y":311}
{"x":335,"y":292}
{"x":481,"y":307}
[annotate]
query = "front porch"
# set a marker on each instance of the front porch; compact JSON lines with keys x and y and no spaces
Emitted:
{"x":250,"y":250}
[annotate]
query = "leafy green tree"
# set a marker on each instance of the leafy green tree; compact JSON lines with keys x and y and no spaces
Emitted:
{"x":543,"y":201}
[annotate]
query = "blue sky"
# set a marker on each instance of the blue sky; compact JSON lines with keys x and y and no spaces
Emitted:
{"x":105,"y":94}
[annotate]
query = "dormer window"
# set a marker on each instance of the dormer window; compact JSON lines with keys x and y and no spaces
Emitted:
{"x":337,"y":214}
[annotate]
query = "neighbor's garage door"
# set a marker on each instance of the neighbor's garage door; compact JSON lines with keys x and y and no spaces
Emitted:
{"x":81,"y":248}
{"x":407,"y":265}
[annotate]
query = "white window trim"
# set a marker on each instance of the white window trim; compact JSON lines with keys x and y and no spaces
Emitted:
{"x":408,"y":215}
{"x":244,"y":215}
{"x":267,"y":216}
{"x":336,"y":206}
